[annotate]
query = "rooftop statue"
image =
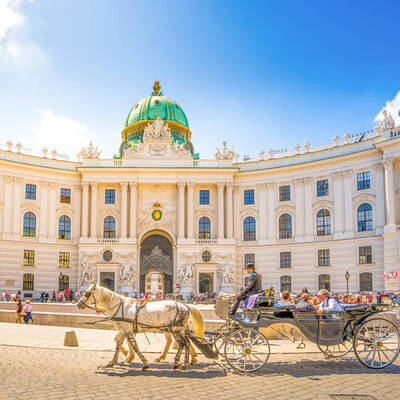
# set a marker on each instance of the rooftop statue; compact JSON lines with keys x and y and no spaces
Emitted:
{"x":386,"y":124}
{"x":89,"y":152}
{"x":224,"y":153}
{"x":157,"y":129}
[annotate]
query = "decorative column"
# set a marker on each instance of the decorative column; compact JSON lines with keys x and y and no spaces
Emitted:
{"x":299,"y":205}
{"x":308,"y":208}
{"x":236,"y":212}
{"x":262,"y":211}
{"x":85,"y":204}
{"x":17,"y":207}
{"x":133,"y":210}
{"x":380,"y":197}
{"x":348,"y":202}
{"x":338,"y":205}
{"x":389,"y":192}
{"x":181,"y":210}
{"x":124,"y":208}
{"x":271,"y":211}
{"x":8,"y":201}
{"x":189,"y":229}
{"x":220,"y":187}
{"x":52,"y":210}
{"x":93,"y":211}
{"x":229,"y":214}
{"x":44,"y":208}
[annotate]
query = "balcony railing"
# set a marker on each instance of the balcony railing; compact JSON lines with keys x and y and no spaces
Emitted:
{"x":107,"y":241}
{"x":206,"y":241}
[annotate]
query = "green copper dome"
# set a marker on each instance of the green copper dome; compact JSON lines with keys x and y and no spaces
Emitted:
{"x":156,"y":105}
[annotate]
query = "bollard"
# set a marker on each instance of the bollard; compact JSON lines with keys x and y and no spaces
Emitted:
{"x":70,"y":339}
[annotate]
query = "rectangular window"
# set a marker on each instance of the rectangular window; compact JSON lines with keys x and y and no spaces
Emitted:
{"x":204,"y":196}
{"x":110,"y":196}
{"x":249,"y":196}
{"x":30,"y":191}
{"x":29,"y":258}
{"x":249,"y":259}
{"x":324,"y":258}
{"x":363,"y":181}
{"x":284,"y":193}
{"x":63,"y":259}
{"x":286,"y":259}
{"x":365,"y":255}
{"x":322,"y":188}
{"x":65,"y":196}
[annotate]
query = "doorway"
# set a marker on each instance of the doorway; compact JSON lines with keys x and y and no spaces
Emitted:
{"x":107,"y":280}
{"x":156,"y":257}
{"x":206,"y":282}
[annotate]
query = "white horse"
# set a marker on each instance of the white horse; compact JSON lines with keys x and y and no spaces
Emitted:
{"x":131,"y":316}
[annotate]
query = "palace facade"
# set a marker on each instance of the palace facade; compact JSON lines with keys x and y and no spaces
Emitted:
{"x":157,"y":218}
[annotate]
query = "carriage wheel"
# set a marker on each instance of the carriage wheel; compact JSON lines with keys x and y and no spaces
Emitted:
{"x":246,"y":350}
{"x":376,"y":343}
{"x":220,"y":338}
{"x":337,"y":350}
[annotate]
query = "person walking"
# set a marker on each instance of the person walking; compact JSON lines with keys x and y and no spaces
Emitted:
{"x":28,"y":312}
{"x":18,"y":311}
{"x":53,"y":297}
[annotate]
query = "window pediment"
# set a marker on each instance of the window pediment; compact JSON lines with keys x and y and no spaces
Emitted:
{"x":285,"y":209}
{"x":323,"y":204}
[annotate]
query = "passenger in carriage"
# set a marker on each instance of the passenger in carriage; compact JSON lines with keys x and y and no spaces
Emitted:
{"x":253,"y":286}
{"x":304,"y":303}
{"x":328,"y":304}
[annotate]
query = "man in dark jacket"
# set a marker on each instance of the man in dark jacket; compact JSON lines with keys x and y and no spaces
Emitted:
{"x":253,"y":285}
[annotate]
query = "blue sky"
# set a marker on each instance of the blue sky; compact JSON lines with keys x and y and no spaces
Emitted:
{"x":260,"y":74}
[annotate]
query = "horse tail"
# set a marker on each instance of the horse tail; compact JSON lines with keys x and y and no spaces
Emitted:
{"x":197,"y":321}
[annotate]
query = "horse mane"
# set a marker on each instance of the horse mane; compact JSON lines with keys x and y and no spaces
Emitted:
{"x":107,"y":295}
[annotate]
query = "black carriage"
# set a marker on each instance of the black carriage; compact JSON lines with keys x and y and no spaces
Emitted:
{"x":374,"y":339}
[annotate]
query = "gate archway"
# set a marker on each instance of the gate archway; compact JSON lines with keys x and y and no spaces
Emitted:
{"x":156,"y":256}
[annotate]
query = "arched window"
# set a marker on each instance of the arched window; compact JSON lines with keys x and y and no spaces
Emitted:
{"x":29,"y":224}
{"x":323,"y":223}
{"x":109,"y":227}
{"x":64,"y":227}
{"x":366,"y":282}
{"x":364,"y":217}
{"x":249,"y":228}
{"x":63,"y":282}
{"x":204,"y":228}
{"x":28,"y":282}
{"x":285,"y":226}
{"x":324,"y":282}
{"x":286,"y":283}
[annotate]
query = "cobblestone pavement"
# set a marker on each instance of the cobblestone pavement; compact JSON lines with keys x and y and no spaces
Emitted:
{"x":32,"y":373}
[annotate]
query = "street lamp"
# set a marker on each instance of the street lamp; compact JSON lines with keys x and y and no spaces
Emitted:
{"x":347,"y":276}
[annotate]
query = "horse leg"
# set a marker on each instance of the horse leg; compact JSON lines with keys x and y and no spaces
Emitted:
{"x":119,"y":339}
{"x":181,"y":343}
{"x":193,"y":355}
{"x":187,"y":347}
{"x":168,"y":338}
{"x":131,"y":353}
{"x":131,"y":338}
{"x":123,"y":350}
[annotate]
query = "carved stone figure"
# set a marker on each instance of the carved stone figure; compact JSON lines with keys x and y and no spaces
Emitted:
{"x":88,"y":273}
{"x":224,"y":153}
{"x":89,"y":152}
{"x":127,"y":274}
{"x":225,"y":274}
{"x":185,"y":275}
{"x":157,"y":129}
{"x":386,"y":124}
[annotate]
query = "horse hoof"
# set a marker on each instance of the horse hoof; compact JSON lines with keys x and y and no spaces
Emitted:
{"x":145,"y":367}
{"x":157,"y":359}
{"x":176,"y":366}
{"x":182,"y":367}
{"x":193,"y":362}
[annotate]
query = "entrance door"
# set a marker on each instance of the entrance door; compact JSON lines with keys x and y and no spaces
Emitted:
{"x":107,"y":280}
{"x":156,"y":256}
{"x":206,"y":282}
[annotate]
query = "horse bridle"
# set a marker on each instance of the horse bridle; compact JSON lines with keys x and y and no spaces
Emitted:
{"x":89,"y":293}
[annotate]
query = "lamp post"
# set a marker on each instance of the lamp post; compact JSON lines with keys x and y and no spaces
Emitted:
{"x":347,"y":276}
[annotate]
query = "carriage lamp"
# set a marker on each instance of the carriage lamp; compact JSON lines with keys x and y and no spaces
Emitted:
{"x":347,"y":276}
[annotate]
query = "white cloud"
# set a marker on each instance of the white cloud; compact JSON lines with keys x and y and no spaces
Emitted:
{"x":58,"y":132}
{"x":393,"y":107}
{"x":9,"y":17}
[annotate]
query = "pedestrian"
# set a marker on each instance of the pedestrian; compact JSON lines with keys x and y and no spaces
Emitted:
{"x":53,"y":297}
{"x":46,"y":297}
{"x":18,"y":311}
{"x":28,"y":312}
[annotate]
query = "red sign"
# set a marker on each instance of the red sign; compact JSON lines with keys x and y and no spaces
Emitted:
{"x":178,"y":286}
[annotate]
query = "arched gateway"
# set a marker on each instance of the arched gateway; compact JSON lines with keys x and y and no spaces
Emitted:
{"x":156,"y":265}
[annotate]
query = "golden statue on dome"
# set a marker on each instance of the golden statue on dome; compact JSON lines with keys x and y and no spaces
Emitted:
{"x":156,"y":87}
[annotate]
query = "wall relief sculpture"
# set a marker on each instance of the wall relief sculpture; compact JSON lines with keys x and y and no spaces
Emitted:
{"x":158,"y":142}
{"x":226,"y":276}
{"x":127,"y":275}
{"x":87,"y":276}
